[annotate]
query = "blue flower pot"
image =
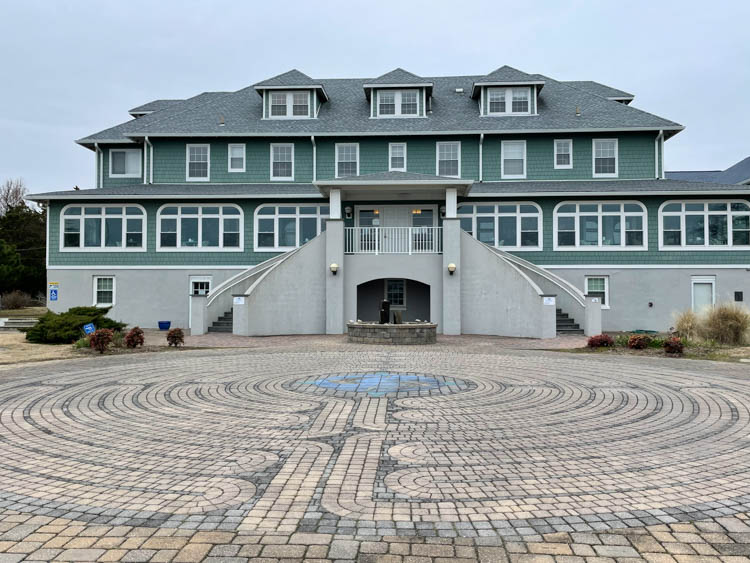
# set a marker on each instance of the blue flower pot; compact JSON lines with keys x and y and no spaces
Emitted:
{"x":164,"y":325}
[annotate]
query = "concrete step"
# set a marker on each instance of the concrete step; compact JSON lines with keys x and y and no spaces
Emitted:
{"x":220,"y":329}
{"x":569,"y":330}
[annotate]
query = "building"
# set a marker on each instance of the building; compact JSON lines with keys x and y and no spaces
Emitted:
{"x":738,"y":173}
{"x":481,"y":203}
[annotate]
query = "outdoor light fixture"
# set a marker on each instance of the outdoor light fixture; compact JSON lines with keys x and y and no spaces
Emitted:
{"x":348,"y":212}
{"x":442,"y":211}
{"x":334,"y":268}
{"x":451,"y":268}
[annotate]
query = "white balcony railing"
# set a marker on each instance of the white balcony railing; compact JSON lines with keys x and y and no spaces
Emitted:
{"x":393,"y":240}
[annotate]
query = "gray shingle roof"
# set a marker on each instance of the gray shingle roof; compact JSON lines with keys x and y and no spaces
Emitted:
{"x":398,"y":76}
{"x":740,"y":172}
{"x":290,"y":78}
{"x":189,"y":191}
{"x":153,"y":106}
{"x":694,"y":175}
{"x":599,"y":89}
{"x":604,"y":187}
{"x":347,"y":113}
{"x":408,"y":177}
{"x":736,"y":174}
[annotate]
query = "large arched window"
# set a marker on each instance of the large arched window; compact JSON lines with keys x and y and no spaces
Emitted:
{"x":288,"y":226}
{"x":507,"y":225}
{"x":103,"y":228}
{"x":708,"y":225}
{"x":606,"y":225}
{"x":189,"y":227}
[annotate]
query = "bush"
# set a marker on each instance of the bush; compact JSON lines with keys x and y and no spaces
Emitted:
{"x":175,"y":337}
{"x":639,"y":342}
{"x":82,"y":343}
{"x":674,"y":345}
{"x":15,"y":300}
{"x":656,"y":342}
{"x":63,"y":328}
{"x":621,"y":340}
{"x":118,"y":339}
{"x":687,"y":325}
{"x":727,"y":323}
{"x":134,"y":337}
{"x":601,"y":341}
{"x":101,"y":339}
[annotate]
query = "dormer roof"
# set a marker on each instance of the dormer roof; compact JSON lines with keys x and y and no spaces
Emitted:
{"x":291,"y":80}
{"x":397,"y":78}
{"x":602,"y":90}
{"x":152,"y":106}
{"x":505,"y":76}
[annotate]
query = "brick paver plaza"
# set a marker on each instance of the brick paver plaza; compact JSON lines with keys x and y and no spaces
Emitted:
{"x":375,"y":454}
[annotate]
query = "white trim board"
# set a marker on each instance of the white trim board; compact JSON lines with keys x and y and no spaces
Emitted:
{"x":202,"y":267}
{"x":648,"y":266}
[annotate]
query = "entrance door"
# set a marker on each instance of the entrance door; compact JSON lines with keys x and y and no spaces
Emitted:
{"x":199,"y":285}
{"x":703,"y":292}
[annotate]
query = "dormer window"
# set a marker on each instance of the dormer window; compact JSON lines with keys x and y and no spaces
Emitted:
{"x":398,"y":103}
{"x":290,"y":104}
{"x":509,"y":101}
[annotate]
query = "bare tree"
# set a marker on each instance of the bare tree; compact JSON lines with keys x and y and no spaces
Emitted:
{"x":12,"y":194}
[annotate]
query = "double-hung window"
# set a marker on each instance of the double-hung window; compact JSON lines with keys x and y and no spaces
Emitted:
{"x":284,"y":227}
{"x":104,"y":291}
{"x":282,"y":161}
{"x":509,"y":101}
{"x":563,"y":154}
{"x":101,"y":228}
{"x":449,"y":159}
{"x":507,"y":225}
{"x":398,"y":103}
{"x":347,"y":159}
{"x":395,"y":293}
{"x":603,"y":226}
{"x":605,"y":158}
{"x":711,"y":225}
{"x":124,"y":163}
{"x":294,"y":104}
{"x":598,"y":286}
{"x":513,"y":156}
{"x":198,"y":160}
{"x":199,"y":227}
{"x":236,"y":157}
{"x":397,"y":157}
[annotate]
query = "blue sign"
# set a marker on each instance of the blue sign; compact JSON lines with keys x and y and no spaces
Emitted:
{"x":53,"y":295}
{"x":89,"y":328}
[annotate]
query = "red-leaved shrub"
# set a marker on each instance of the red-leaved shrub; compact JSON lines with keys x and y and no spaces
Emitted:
{"x":175,"y":337}
{"x":101,"y":339}
{"x":134,"y":337}
{"x":674,"y":345}
{"x":639,"y":342}
{"x":601,"y":341}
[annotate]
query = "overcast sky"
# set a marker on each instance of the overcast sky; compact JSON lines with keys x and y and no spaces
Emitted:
{"x":70,"y":68}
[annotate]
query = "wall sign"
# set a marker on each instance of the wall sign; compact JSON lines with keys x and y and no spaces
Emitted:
{"x":238,"y":300}
{"x":54,"y":290}
{"x":548,"y":300}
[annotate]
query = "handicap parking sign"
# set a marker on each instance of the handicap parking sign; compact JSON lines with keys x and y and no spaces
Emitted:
{"x":53,"y":289}
{"x":89,"y":328}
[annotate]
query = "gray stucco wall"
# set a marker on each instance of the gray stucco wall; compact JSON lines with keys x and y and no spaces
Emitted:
{"x":370,"y":294}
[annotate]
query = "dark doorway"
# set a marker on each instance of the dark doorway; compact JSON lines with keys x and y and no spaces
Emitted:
{"x":410,"y":297}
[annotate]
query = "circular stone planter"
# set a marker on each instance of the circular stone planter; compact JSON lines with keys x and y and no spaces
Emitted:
{"x":401,"y":334}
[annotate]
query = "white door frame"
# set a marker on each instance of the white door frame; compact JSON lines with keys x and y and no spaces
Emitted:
{"x":702,"y":280}
{"x":434,"y":208}
{"x":191,"y":279}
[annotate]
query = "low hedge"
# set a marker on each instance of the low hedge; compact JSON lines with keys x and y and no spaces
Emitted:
{"x":67,"y":327}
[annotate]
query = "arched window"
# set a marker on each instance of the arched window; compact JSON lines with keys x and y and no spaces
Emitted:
{"x":507,"y":225}
{"x":288,"y":226}
{"x":103,"y":228}
{"x":607,"y":225}
{"x":189,"y":227}
{"x":709,"y":225}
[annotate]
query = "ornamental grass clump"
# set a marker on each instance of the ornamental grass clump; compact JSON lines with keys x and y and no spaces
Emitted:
{"x":728,"y":323}
{"x":175,"y":337}
{"x":601,"y":341}
{"x":687,"y":325}
{"x":134,"y":337}
{"x":101,"y":339}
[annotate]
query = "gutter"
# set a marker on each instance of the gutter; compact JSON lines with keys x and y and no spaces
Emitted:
{"x":150,"y":161}
{"x":481,"y":154}
{"x":315,"y":158}
{"x":99,"y":165}
{"x":659,"y":144}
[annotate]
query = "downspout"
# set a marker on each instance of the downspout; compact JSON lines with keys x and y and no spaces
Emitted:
{"x":150,"y":160}
{"x":145,"y":161}
{"x":99,"y":165}
{"x":481,"y":153}
{"x":658,"y":144}
{"x":663,"y":168}
{"x":315,"y":158}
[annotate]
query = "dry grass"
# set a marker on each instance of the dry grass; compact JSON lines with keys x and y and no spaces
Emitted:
{"x":25,"y":312}
{"x":727,"y":323}
{"x":15,"y":349}
{"x":687,"y":324}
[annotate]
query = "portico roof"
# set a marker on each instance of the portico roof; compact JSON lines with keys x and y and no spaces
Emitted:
{"x":394,"y":184}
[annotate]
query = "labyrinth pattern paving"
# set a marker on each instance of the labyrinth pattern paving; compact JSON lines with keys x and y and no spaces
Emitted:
{"x":376,"y":442}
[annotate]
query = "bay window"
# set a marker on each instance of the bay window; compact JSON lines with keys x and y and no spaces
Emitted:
{"x":600,"y":225}
{"x":711,"y":225}
{"x":97,"y":228}
{"x":284,"y":227}
{"x":510,"y":226}
{"x":199,"y":227}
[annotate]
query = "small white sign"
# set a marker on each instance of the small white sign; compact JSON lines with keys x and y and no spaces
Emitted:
{"x":595,"y":300}
{"x":549,"y":300}
{"x":239,"y":300}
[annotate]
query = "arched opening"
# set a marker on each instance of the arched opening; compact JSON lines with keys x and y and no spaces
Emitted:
{"x":410,"y":297}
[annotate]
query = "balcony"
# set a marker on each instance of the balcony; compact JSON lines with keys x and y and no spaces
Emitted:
{"x":393,"y":240}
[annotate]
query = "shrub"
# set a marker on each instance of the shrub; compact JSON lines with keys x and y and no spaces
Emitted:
{"x":101,"y":339}
{"x":656,"y":342}
{"x":601,"y":341}
{"x":727,"y":323}
{"x":82,"y":343}
{"x":687,"y":325}
{"x":134,"y":337}
{"x":639,"y":342}
{"x":175,"y":337}
{"x":53,"y":328}
{"x":674,"y":345}
{"x":621,"y":340}
{"x":16,"y":300}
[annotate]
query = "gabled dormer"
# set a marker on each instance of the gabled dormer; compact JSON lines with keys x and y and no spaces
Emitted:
{"x":292,"y":95}
{"x":507,"y":91}
{"x":398,"y":94}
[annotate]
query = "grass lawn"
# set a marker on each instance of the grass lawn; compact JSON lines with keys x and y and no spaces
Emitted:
{"x":26,"y":312}
{"x":15,"y":349}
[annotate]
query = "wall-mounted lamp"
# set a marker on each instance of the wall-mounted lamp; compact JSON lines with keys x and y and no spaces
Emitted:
{"x":348,"y":212}
{"x":334,"y":268}
{"x":442,"y":211}
{"x":451,"y":268}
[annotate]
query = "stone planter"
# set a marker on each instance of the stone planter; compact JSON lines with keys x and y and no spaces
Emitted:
{"x":401,"y":334}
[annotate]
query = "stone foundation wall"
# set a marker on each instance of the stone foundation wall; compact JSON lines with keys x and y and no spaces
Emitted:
{"x":422,"y":333}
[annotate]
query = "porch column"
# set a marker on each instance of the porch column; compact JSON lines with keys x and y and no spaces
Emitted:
{"x":451,"y":203}
{"x":451,"y":283}
{"x":593,"y":324}
{"x":198,"y":315}
{"x":334,"y":200}
{"x":335,"y":283}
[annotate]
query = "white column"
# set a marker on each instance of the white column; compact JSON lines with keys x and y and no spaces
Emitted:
{"x":451,"y":283}
{"x":451,"y":203}
{"x":334,"y":199}
{"x":198,"y":315}
{"x":593,"y":324}
{"x":335,"y":283}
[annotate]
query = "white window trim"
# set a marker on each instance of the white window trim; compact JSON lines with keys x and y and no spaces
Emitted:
{"x":336,"y":163}
{"x":289,"y":95}
{"x":562,"y":166}
{"x":437,"y":157}
{"x":123,"y":248}
{"x":599,"y":213}
{"x":390,"y":156}
{"x":385,"y":293}
{"x":397,"y":94}
{"x":700,"y":280}
{"x":685,"y":247}
{"x":114,"y":291}
{"x":133,"y":175}
{"x":280,"y":178}
{"x":606,"y":287}
{"x":505,"y":176}
{"x":229,"y":157}
{"x":508,"y":101}
{"x":199,"y":248}
{"x":593,"y":159}
{"x":188,"y":146}
{"x":297,"y":215}
{"x":518,"y":248}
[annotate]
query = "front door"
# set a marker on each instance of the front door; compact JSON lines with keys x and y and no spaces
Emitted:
{"x":199,"y":285}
